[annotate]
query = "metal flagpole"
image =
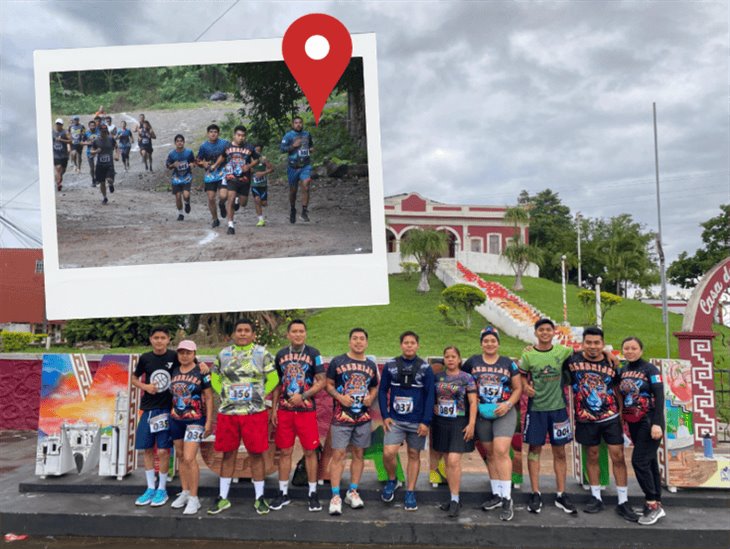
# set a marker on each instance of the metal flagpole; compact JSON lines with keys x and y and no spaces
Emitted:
{"x":660,"y":249}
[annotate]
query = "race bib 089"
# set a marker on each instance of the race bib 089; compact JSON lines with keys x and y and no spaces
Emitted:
{"x":447,"y":408}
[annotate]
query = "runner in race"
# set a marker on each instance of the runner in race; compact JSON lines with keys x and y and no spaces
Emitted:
{"x":112,"y":127}
{"x":499,"y":389}
{"x":242,"y":370}
{"x":298,"y":145}
{"x":138,"y":128}
{"x":190,"y":422}
{"x":595,"y":381}
{"x":180,"y":161}
{"x":642,"y":393}
{"x":124,"y":140}
{"x":352,"y":382}
{"x":61,"y":141}
{"x":301,"y":376}
{"x":76,"y":130}
{"x":541,"y":368}
{"x":146,"y":135}
{"x":239,"y":157}
{"x":105,"y":149}
{"x":208,"y":155}
{"x":89,"y":137}
{"x":455,"y":415}
{"x":260,"y":184}
{"x":406,"y":397}
{"x":153,"y":430}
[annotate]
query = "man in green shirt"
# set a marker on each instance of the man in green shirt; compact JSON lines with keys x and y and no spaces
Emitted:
{"x":541,"y":369}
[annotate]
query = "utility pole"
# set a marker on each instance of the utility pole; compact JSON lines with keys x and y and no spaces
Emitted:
{"x":660,"y":249}
{"x":578,"y":219}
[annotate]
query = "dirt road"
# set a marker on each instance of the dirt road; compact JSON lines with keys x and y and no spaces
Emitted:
{"x":139,"y":225}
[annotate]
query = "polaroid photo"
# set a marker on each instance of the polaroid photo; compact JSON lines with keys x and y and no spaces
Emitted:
{"x":171,"y":210}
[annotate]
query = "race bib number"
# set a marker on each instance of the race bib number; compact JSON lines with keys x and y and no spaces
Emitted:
{"x":57,"y":146}
{"x":561,"y":430}
{"x":242,"y":392}
{"x":447,"y":408}
{"x":160,"y":422}
{"x":358,"y":401}
{"x":145,"y":141}
{"x":105,"y":158}
{"x":303,"y":152}
{"x":403,"y":405}
{"x":194,"y":433}
{"x":259,"y":180}
{"x":182,"y":165}
{"x":489,"y":393}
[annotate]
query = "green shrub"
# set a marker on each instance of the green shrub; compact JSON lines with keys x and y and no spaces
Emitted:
{"x":463,"y":298}
{"x":408,"y":268}
{"x":588,"y":300}
{"x":13,"y":342}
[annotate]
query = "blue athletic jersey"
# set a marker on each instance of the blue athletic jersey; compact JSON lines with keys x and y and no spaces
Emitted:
{"x":300,"y":156}
{"x":91,"y":136}
{"x":412,"y":403}
{"x":211,"y":151}
{"x":185,"y":160}
{"x":77,"y":132}
{"x":124,"y":137}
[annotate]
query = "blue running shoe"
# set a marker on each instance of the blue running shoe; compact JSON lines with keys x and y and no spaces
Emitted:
{"x":410,"y":501}
{"x":388,"y":493}
{"x":159,"y":499}
{"x":145,"y":498}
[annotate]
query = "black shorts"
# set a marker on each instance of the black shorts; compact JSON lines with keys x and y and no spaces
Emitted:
{"x":63,"y":162}
{"x":180,"y":188}
{"x":590,"y":434}
{"x":147,"y":148}
{"x":104,"y":172}
{"x":261,"y":192}
{"x":78,"y":147}
{"x":239,"y":185}
{"x":212,"y":186}
{"x":447,"y":435}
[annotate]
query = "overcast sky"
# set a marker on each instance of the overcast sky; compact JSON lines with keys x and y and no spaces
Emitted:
{"x":478,"y":100}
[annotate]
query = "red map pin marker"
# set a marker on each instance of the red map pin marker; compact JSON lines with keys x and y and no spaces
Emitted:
{"x":319,"y":35}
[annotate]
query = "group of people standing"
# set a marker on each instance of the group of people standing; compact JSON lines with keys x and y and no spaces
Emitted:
{"x":231,"y":168}
{"x":473,"y":400}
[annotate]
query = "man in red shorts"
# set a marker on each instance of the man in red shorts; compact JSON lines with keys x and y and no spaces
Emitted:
{"x":243,"y":369}
{"x":301,"y":377}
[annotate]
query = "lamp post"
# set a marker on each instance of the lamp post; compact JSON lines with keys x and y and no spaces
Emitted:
{"x":578,"y":219}
{"x":565,"y":299}
{"x":599,"y":320}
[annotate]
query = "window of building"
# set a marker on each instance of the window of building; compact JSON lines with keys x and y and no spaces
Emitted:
{"x":476,"y":245}
{"x":494,"y":244}
{"x":38,"y":265}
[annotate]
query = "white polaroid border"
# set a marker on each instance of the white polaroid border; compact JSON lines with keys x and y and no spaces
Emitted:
{"x":238,"y":285}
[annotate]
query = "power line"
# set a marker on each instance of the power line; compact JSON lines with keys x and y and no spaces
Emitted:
{"x":19,"y":232}
{"x":218,"y":19}
{"x":16,"y":195}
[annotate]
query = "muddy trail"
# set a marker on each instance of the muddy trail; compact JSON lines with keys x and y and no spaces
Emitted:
{"x":139,"y":224}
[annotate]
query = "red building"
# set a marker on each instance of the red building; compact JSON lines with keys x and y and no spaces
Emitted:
{"x":477,"y":234}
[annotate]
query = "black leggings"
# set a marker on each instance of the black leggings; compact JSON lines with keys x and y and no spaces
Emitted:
{"x":645,"y":460}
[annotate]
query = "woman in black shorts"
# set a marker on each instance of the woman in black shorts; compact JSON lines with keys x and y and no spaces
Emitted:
{"x":642,"y":392}
{"x":452,"y":428}
{"x":499,"y":389}
{"x":146,"y":135}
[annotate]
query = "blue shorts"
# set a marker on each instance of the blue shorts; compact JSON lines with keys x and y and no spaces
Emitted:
{"x":261,"y":192}
{"x":538,"y":425}
{"x":193,"y":428}
{"x":296,"y":175}
{"x":145,"y":438}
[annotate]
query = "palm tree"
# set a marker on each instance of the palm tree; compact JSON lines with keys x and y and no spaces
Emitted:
{"x":519,"y":254}
{"x":426,"y":246}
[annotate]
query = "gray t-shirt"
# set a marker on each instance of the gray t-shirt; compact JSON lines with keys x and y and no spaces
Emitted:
{"x":60,"y":148}
{"x":106,"y":148}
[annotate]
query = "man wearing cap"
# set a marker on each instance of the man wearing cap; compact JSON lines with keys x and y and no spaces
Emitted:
{"x":77,"y":132}
{"x":61,"y":141}
{"x":105,"y":149}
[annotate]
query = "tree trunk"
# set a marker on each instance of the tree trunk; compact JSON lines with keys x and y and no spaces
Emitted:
{"x":356,"y":117}
{"x":81,"y":83}
{"x":423,"y":283}
{"x":517,"y":286}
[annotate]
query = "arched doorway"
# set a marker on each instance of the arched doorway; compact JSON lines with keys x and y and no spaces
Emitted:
{"x":391,"y":243}
{"x":453,"y":241}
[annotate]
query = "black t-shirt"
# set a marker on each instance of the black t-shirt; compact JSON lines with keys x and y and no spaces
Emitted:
{"x":187,"y":392}
{"x":106,"y":148}
{"x":296,"y":371}
{"x":354,"y":378}
{"x":157,"y":369}
{"x":593,"y":385}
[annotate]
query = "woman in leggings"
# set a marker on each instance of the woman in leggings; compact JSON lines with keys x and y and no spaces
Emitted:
{"x":643,"y":396}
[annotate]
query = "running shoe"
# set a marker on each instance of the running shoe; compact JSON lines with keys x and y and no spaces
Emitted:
{"x":305,"y":215}
{"x":111,"y":187}
{"x":192,"y":506}
{"x":231,"y":230}
{"x":492,"y":502}
{"x":105,"y":201}
{"x":219,"y":505}
{"x":653,"y":515}
{"x":187,"y":207}
{"x":563,"y":502}
{"x":388,"y":493}
{"x":236,"y":205}
{"x":222,"y":208}
{"x":145,"y":498}
{"x":180,"y":217}
{"x":335,"y":505}
{"x":595,"y":505}
{"x":261,"y":506}
{"x":216,"y":223}
{"x":508,"y":511}
{"x":410,"y":503}
{"x":445,"y":505}
{"x":454,"y":508}
{"x":625,"y":511}
{"x":159,"y":499}
{"x":181,"y":500}
{"x":353,"y":499}
{"x":261,"y":223}
{"x":314,"y":504}
{"x":293,"y":216}
{"x":535,"y":503}
{"x":435,"y":478}
{"x":279,"y":501}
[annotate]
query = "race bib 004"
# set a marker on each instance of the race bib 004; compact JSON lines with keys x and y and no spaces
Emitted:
{"x":561,"y":430}
{"x":194,"y":433}
{"x":403,"y":405}
{"x":447,"y":408}
{"x":241,"y":392}
{"x":160,"y":422}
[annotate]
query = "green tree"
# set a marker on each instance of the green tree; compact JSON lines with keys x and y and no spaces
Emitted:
{"x":426,"y":246}
{"x":687,"y":270}
{"x":518,"y":253}
{"x":119,"y":332}
{"x":464,"y":298}
{"x":588,"y":300}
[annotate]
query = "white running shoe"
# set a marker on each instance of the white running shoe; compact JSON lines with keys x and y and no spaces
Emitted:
{"x":192,"y":507}
{"x":336,"y":505}
{"x":353,"y":499}
{"x":181,"y":500}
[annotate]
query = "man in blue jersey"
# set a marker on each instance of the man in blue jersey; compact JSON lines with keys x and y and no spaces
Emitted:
{"x":297,"y":143}
{"x":180,"y":161}
{"x":208,"y":155}
{"x":238,"y":158}
{"x":406,"y":398}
